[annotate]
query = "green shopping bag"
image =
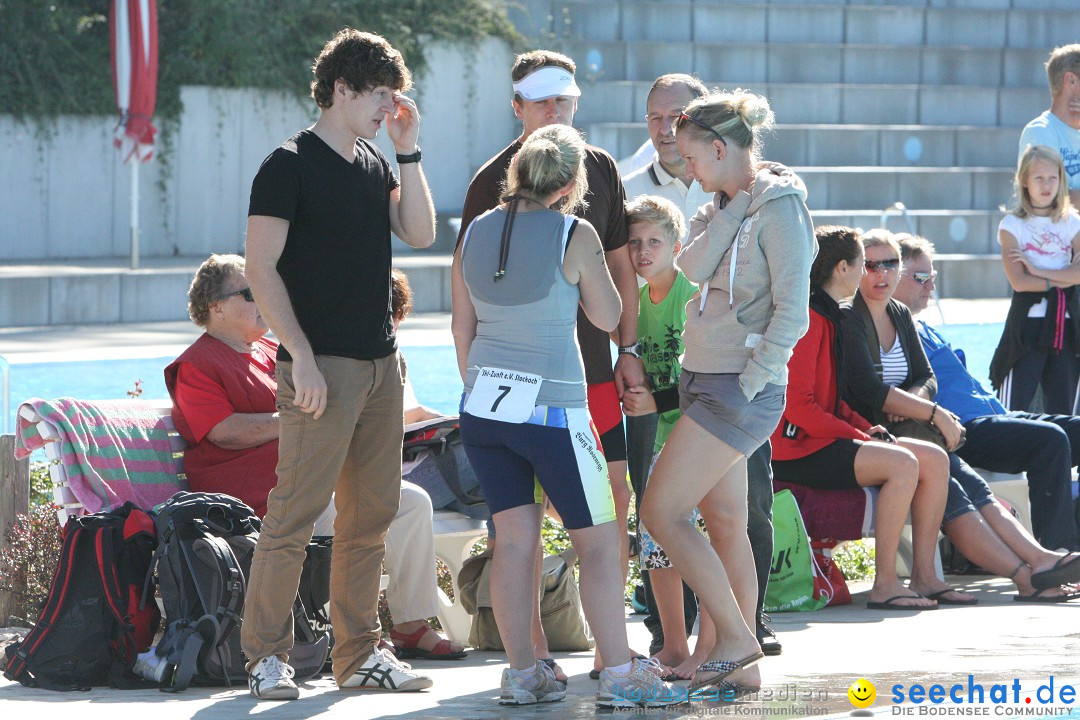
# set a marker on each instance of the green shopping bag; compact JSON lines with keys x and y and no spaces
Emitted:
{"x":795,"y":580}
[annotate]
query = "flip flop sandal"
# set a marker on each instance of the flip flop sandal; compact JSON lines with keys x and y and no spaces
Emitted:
{"x":1038,"y":597}
{"x":1066,"y":570}
{"x":891,"y":604}
{"x":721,"y":669}
{"x":406,"y":646}
{"x":942,"y":600}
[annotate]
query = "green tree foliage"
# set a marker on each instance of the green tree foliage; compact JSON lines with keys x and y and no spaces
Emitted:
{"x":54,"y":57}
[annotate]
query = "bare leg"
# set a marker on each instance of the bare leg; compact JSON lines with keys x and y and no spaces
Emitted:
{"x":602,"y":589}
{"x":706,"y":641}
{"x":927,"y":512}
{"x":726,"y":523}
{"x":974,"y":537}
{"x":1017,"y":537}
{"x":894,"y":471}
{"x":513,"y":582}
{"x":680,"y":481}
{"x":620,"y":494}
{"x":668,"y":590}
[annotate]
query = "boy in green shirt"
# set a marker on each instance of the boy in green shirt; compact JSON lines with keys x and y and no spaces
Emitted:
{"x":655,"y":225}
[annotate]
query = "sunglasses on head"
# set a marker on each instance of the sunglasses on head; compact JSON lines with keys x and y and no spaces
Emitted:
{"x":923,"y":277}
{"x":244,"y":293}
{"x":684,"y":118}
{"x":885,"y":265}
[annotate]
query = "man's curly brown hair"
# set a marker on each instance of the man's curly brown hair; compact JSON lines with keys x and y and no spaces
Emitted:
{"x":363,"y":60}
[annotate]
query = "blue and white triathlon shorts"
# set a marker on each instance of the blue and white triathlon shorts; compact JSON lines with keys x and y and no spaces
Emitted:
{"x":557,"y":447}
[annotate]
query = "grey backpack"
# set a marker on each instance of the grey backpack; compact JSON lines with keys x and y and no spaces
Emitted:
{"x":205,"y":546}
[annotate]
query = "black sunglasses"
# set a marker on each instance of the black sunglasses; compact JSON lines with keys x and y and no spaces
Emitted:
{"x":686,"y":118}
{"x":886,"y":265}
{"x":244,"y":293}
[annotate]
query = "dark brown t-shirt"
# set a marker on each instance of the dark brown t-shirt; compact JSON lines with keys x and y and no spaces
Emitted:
{"x":606,"y":212}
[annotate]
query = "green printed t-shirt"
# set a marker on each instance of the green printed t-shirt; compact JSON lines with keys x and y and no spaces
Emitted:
{"x":660,"y":327}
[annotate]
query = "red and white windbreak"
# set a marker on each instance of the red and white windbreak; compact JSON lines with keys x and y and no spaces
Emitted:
{"x":133,"y":35}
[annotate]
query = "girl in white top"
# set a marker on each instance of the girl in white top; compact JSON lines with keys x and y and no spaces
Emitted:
{"x":1039,"y":240}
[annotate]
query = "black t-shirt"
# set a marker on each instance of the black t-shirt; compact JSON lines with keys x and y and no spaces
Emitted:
{"x":336,"y":261}
{"x":606,"y":212}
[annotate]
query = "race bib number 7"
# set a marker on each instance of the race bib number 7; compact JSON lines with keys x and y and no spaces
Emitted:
{"x":504,"y":395}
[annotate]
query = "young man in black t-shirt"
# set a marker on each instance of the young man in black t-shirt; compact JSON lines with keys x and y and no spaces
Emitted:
{"x":322,"y":208}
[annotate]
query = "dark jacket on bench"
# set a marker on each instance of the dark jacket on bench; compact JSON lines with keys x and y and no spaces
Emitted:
{"x":864,"y":390}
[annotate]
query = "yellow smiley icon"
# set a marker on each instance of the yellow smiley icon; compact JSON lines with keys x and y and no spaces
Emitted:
{"x":862,"y":693}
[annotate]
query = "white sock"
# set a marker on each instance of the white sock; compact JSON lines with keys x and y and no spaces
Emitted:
{"x":623,"y":669}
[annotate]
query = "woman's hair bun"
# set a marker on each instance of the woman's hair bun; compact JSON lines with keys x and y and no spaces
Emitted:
{"x":753,"y":109}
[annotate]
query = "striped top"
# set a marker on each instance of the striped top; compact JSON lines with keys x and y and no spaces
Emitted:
{"x":894,"y":364}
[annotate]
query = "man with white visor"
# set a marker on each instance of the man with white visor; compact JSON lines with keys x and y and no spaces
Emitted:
{"x":545,"y":93}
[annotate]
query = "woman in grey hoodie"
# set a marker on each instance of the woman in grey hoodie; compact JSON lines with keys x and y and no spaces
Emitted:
{"x":750,"y":251}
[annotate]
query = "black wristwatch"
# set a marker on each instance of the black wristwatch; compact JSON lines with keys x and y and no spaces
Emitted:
{"x":634,"y":350}
{"x":406,"y":159}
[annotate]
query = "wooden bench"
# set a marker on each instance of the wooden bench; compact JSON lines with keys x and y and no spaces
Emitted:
{"x":454,"y":533}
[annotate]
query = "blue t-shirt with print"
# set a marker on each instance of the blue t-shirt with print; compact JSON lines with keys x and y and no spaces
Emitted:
{"x":1049,"y":130}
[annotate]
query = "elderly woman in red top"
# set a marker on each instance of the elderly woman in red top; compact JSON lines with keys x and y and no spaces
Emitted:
{"x":223,"y":390}
{"x":823,"y":443}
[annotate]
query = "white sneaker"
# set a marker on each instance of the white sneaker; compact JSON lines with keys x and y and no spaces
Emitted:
{"x":383,"y":671}
{"x":272,"y":679}
{"x":641,"y":687}
{"x":526,"y":687}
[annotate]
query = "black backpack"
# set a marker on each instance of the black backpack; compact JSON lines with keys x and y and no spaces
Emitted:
{"x":93,"y":623}
{"x":205,"y":545}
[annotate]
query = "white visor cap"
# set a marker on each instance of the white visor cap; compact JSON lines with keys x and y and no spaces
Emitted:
{"x":547,"y":82}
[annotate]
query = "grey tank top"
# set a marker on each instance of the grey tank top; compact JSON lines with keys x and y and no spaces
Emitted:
{"x":527,"y":320}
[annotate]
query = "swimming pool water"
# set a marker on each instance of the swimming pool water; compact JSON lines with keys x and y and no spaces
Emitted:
{"x":433,"y":370}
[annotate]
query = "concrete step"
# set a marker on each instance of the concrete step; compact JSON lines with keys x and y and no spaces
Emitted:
{"x":872,"y":188}
{"x":106,"y":290}
{"x":837,"y":23}
{"x":827,"y":145}
{"x":834,"y":103}
{"x":810,"y":62}
{"x":952,"y":231}
{"x":971,"y":276}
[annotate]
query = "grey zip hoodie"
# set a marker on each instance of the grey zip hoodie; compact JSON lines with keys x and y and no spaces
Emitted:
{"x":751,"y":258}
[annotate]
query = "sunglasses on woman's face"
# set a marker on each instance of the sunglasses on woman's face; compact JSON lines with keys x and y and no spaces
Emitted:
{"x":882,"y":265}
{"x":244,"y":293}
{"x":686,"y":118}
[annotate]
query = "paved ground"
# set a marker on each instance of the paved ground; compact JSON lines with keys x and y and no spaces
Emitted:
{"x":997,"y":642}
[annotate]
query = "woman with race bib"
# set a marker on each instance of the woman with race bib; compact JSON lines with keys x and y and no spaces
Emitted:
{"x":519,"y":275}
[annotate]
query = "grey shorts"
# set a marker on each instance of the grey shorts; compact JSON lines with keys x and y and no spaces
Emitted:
{"x":716,"y":403}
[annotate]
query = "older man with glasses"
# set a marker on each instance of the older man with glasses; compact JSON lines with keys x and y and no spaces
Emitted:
{"x":1046,"y":447}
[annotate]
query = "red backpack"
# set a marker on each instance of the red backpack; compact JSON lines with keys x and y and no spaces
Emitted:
{"x":93,"y":623}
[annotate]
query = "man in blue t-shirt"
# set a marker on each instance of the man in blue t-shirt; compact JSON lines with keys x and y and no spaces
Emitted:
{"x":1059,"y":127}
{"x":1046,"y":447}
